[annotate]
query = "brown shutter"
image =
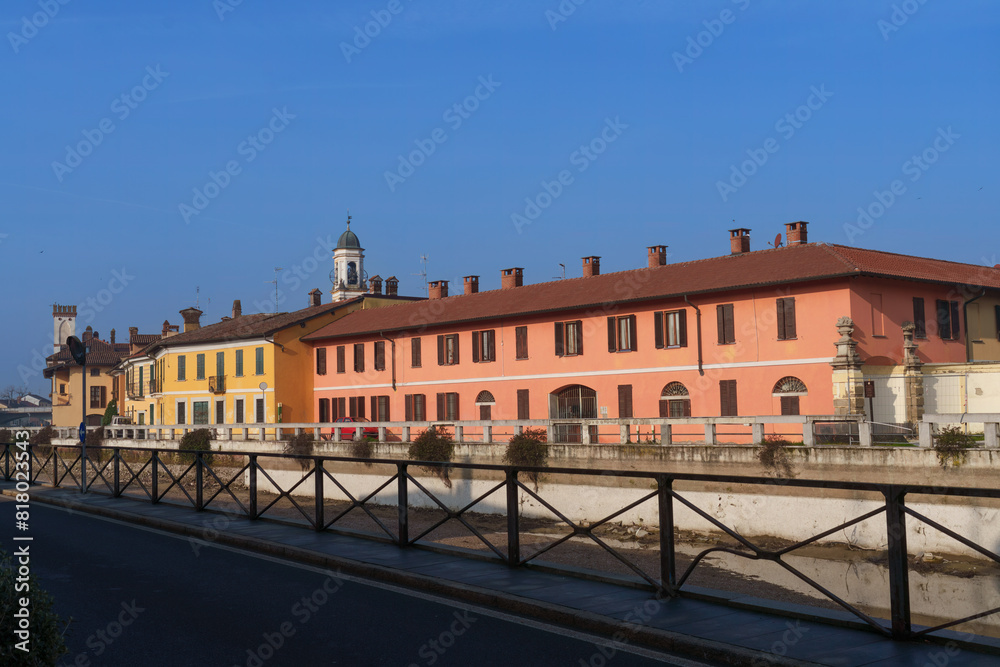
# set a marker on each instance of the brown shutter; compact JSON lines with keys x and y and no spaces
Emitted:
{"x":458,"y":346}
{"x":579,"y":336}
{"x":633,"y":343}
{"x":664,"y":408}
{"x":361,"y":406}
{"x":379,"y":355}
{"x":341,"y":363}
{"x":682,"y":328}
{"x":440,"y":350}
{"x":321,"y":361}
{"x":955,"y":321}
{"x":612,"y":337}
{"x":560,"y":327}
{"x":658,"y":318}
{"x":727,"y":396}
{"x":342,"y":404}
{"x":789,"y":405}
{"x":441,"y":407}
{"x":720,"y":316}
{"x":790,"y":318}
{"x":454,"y":396}
{"x":490,"y":353}
{"x":730,"y":324}
{"x":408,"y":407}
{"x":521,"y":342}
{"x":522,"y":404}
{"x":104,"y":397}
{"x":624,"y":401}
{"x":334,"y":412}
{"x":420,"y":407}
{"x":475,"y":346}
{"x":919,"y":319}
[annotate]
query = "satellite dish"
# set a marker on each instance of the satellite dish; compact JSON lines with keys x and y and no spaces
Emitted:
{"x":777,"y":240}
{"x":77,"y":349}
{"x":263,"y":386}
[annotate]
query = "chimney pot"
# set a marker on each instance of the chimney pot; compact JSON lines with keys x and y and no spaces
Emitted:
{"x":511,"y":278}
{"x":112,"y":336}
{"x":133,"y":331}
{"x":315,"y":298}
{"x":163,"y":332}
{"x":237,"y":309}
{"x":796,"y":233}
{"x":656,"y":255}
{"x":391,"y":286}
{"x":471,"y":284}
{"x":591,"y":266}
{"x":437,"y":289}
{"x":739,"y":240}
{"x":192,"y":318}
{"x":88,"y":333}
{"x":375,"y":285}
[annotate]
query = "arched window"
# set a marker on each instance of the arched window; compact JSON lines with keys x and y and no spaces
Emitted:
{"x":485,"y":401}
{"x":484,"y":397}
{"x":573,"y":402}
{"x":789,"y":389}
{"x":675,"y":401}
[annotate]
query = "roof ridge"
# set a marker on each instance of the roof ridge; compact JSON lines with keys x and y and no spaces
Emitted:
{"x":900,"y":254}
{"x":829,"y":248}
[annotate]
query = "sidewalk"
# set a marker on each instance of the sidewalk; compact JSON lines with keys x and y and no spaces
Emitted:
{"x":692,"y":627}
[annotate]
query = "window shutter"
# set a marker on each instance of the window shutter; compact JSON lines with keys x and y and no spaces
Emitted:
{"x":457,"y":346}
{"x":789,"y":405}
{"x":408,"y":407}
{"x":632,"y":334}
{"x":522,"y":403}
{"x":490,"y":353}
{"x":374,"y":408}
{"x":943,"y":315}
{"x":453,"y":397}
{"x":560,"y":327}
{"x":475,"y":346}
{"x":440,"y":350}
{"x":612,"y":342}
{"x":321,"y":361}
{"x":334,"y":412}
{"x":441,"y":407}
{"x":780,"y":306}
{"x":624,"y":401}
{"x":361,"y":406}
{"x":342,"y":405}
{"x":789,"y":317}
{"x":380,"y":355}
{"x":682,"y":328}
{"x":955,"y":321}
{"x":720,"y":312}
{"x":104,"y":397}
{"x":658,"y":329}
{"x":919,"y":321}
{"x":521,"y":342}
{"x":664,"y":409}
{"x":687,"y":408}
{"x":727,"y":396}
{"x":341,"y":363}
{"x":579,"y":336}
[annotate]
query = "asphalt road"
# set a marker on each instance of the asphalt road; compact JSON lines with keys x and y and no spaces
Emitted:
{"x":143,"y":597}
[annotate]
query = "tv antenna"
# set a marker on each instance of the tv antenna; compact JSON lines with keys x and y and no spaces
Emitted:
{"x":777,"y":241}
{"x":563,"y":272}
{"x":423,"y":271}
{"x":275,"y":283}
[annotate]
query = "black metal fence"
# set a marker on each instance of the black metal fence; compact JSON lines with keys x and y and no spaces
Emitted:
{"x":194,"y":479}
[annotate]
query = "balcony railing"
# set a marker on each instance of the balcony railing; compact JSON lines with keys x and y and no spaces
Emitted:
{"x":136,"y":389}
{"x":217,"y":384}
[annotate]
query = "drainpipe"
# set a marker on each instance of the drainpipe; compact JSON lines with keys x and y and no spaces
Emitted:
{"x":965,"y":316}
{"x":697,"y":311}
{"x":392,"y":353}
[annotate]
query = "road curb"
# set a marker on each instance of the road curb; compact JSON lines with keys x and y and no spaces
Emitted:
{"x":620,"y":630}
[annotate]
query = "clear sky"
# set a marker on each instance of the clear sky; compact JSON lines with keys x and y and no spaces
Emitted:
{"x":591,"y":129}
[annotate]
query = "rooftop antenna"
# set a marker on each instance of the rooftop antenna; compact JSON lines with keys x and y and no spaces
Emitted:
{"x":197,"y":296}
{"x":423,"y":271}
{"x":563,"y":272}
{"x":275,"y":283}
{"x":777,"y":241}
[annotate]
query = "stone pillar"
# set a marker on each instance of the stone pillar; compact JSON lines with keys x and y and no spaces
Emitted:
{"x":913,"y":376}
{"x":848,"y":382}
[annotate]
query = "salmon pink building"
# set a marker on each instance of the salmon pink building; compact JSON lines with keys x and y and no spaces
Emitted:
{"x":789,"y":330}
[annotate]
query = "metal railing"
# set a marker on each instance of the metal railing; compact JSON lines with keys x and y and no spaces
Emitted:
{"x":217,"y":384}
{"x":197,"y":483}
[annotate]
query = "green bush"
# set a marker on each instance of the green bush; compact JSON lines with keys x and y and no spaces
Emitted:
{"x":529,"y":449}
{"x":773,"y":455}
{"x":362,"y":449}
{"x":433,"y":446}
{"x":951,"y":446}
{"x":43,"y":436}
{"x":47,"y":643}
{"x":198,"y":440}
{"x":110,"y":412}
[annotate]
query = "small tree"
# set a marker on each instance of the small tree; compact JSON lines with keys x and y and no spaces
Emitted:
{"x":198,"y":440}
{"x":773,"y":455}
{"x":529,"y":449}
{"x":951,"y":446}
{"x":433,"y":446}
{"x":43,"y":436}
{"x":301,"y":445}
{"x":110,"y":412}
{"x":47,"y":643}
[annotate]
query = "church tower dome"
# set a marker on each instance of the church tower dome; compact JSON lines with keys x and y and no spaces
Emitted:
{"x":348,"y":276}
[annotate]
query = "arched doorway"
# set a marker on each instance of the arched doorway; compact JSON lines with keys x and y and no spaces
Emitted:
{"x":485,"y":401}
{"x":573,"y":402}
{"x":675,"y":401}
{"x":789,"y":389}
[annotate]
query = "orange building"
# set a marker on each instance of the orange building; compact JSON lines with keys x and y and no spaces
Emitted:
{"x":749,"y":333}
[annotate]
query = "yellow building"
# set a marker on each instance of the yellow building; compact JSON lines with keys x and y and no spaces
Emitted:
{"x":68,"y":397}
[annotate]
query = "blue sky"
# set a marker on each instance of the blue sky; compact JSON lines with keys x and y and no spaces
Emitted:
{"x":675,"y":104}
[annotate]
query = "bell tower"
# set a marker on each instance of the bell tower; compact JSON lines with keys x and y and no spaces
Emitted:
{"x":348,"y":277}
{"x":64,"y":325}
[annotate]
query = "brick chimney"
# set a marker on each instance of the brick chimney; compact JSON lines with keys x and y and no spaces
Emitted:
{"x":97,"y":335}
{"x":237,"y":310}
{"x":192,"y":318}
{"x":739,"y":240}
{"x":471,"y":284}
{"x":796,"y":233}
{"x":164,"y":331}
{"x":134,"y":331}
{"x":112,"y":337}
{"x":591,"y":266}
{"x":375,"y":285}
{"x":511,"y":278}
{"x":656,"y":255}
{"x":88,"y":333}
{"x":437,"y":289}
{"x":315,"y":298}
{"x":391,"y":286}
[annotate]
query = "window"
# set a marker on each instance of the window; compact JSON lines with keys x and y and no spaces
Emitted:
{"x":181,"y":416}
{"x":259,"y":408}
{"x":359,"y":357}
{"x":341,"y":359}
{"x":947,"y":319}
{"x":621,"y":334}
{"x":919,"y":321}
{"x":324,"y":410}
{"x":259,"y":359}
{"x":320,"y":361}
{"x":380,"y":409}
{"x":151,"y":414}
{"x":624,"y":401}
{"x":239,"y":411}
{"x":62,"y":387}
{"x":573,"y":402}
{"x":447,"y":350}
{"x":670,"y":328}
{"x":727,"y":327}
{"x":483,"y":348}
{"x":727,"y":398}
{"x":200,"y":366}
{"x":523,"y":404}
{"x":95,"y":372}
{"x":220,"y":363}
{"x":199,"y":410}
{"x":415,"y":353}
{"x":485,"y":401}
{"x":786,"y":318}
{"x":380,"y":355}
{"x":675,"y":401}
{"x":789,"y":389}
{"x":181,"y":368}
{"x":521,"y":343}
{"x":98,"y":397}
{"x":239,"y":363}
{"x":878,"y":318}
{"x":447,"y":406}
{"x":569,"y":338}
{"x":357,"y":407}
{"x":415,"y":406}
{"x":220,"y":412}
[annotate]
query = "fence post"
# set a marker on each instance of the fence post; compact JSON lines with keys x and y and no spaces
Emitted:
{"x":666,"y":434}
{"x":899,"y":572}
{"x":926,"y":434}
{"x":459,"y":433}
{"x":487,"y":434}
{"x":990,"y":440}
{"x":381,"y":433}
{"x":199,"y":464}
{"x":865,"y":434}
{"x":584,"y":433}
{"x":55,"y":467}
{"x":513,"y":529}
{"x":403,"y":504}
{"x":710,"y":433}
{"x":320,"y":500}
{"x":253,"y":486}
{"x":758,"y":432}
{"x":809,"y":433}
{"x":624,"y":433}
{"x":668,"y":560}
{"x":116,"y":453}
{"x":155,"y":485}
{"x":405,"y":437}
